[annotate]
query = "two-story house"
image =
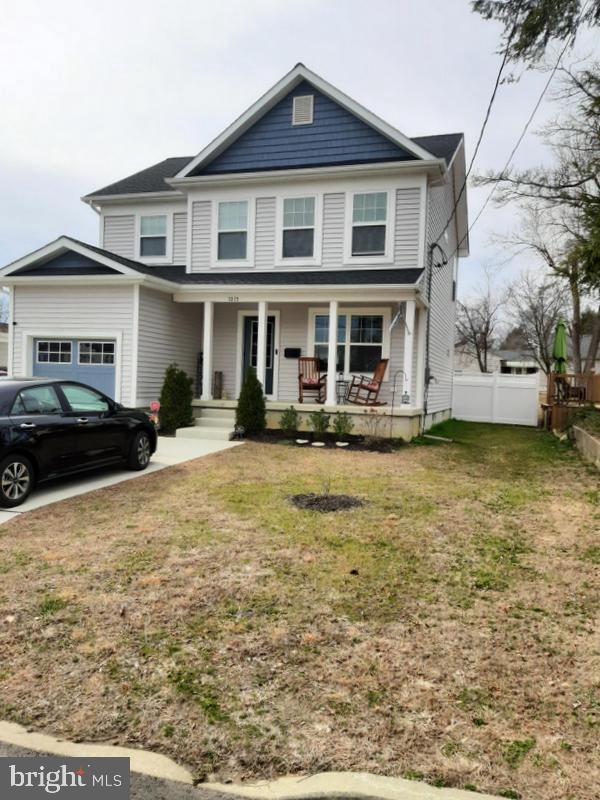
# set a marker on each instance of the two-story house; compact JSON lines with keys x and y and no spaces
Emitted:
{"x":308,"y":227}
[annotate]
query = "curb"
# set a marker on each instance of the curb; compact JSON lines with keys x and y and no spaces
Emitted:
{"x":142,"y":761}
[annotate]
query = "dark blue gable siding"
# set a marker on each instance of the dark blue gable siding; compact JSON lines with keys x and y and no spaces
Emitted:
{"x":335,"y":137}
{"x":67,"y":263}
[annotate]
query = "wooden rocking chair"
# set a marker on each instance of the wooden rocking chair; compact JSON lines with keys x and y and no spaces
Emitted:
{"x":364,"y":391}
{"x":310,"y":379}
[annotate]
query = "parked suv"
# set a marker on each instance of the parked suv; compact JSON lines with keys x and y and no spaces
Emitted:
{"x":52,"y":427}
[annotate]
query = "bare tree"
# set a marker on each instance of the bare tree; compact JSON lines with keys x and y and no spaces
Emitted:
{"x":478,"y":321}
{"x":535,"y":304}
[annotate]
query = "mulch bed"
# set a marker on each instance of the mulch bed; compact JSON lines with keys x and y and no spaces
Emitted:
{"x":325,"y":503}
{"x":273,"y":436}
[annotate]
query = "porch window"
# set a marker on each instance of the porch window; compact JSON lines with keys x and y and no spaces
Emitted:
{"x":298,"y":227}
{"x":360,"y":341}
{"x":233,"y":231}
{"x":153,"y":236}
{"x":369,"y":222}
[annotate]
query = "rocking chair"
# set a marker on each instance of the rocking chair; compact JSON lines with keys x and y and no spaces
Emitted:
{"x":364,"y":391}
{"x":310,"y":379}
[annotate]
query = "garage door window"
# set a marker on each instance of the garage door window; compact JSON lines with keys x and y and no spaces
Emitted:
{"x":97,"y":353}
{"x":53,"y":352}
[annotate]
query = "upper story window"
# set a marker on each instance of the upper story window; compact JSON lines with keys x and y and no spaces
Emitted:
{"x":298,"y":227}
{"x":369,"y":223}
{"x":302,"y":110}
{"x":153,"y":236}
{"x":233,"y":230}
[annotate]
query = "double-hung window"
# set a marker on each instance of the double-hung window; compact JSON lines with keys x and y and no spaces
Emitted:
{"x":369,"y":223}
{"x":233,"y":231}
{"x":153,"y":236}
{"x":362,"y":340}
{"x":298,"y":240}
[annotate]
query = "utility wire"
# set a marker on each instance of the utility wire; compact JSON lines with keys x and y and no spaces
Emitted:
{"x":516,"y":146}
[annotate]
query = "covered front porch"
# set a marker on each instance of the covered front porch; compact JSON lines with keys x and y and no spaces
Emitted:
{"x":353,"y":334}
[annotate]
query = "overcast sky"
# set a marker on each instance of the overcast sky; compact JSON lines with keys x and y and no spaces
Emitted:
{"x":93,"y":91}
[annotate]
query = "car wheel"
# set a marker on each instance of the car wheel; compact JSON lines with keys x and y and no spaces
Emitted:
{"x":141,"y":450}
{"x":16,"y":480}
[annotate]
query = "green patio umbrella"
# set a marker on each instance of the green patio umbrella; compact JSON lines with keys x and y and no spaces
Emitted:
{"x":559,"y":350}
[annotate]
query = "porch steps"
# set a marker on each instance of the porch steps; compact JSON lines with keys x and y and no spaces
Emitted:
{"x":213,"y":423}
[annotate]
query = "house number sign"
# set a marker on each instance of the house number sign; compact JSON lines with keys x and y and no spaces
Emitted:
{"x":233,"y":299}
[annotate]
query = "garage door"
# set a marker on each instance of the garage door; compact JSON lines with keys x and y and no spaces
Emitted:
{"x":90,"y":361}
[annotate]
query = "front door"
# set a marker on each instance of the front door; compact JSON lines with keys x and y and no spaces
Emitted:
{"x":251,"y":348}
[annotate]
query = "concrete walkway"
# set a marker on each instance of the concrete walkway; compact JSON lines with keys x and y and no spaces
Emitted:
{"x":170,"y":451}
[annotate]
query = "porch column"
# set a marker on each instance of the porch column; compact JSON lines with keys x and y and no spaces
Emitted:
{"x":407,"y":364}
{"x":331,"y":398}
{"x":421,"y":334}
{"x":207,"y":351}
{"x":261,"y":343}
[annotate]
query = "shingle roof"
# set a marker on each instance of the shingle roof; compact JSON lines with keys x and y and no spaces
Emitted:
{"x":177,"y":273}
{"x":152,"y":179}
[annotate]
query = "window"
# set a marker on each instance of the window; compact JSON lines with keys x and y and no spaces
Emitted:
{"x":153,"y":236}
{"x":369,"y":219}
{"x":233,"y":231}
{"x":53,"y":352}
{"x":361,"y":340}
{"x":97,"y":353}
{"x":83,"y":400}
{"x":37,"y":400}
{"x":302,"y":111}
{"x":298,"y":227}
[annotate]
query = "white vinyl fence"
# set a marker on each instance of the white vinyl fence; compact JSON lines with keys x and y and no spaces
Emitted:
{"x":508,"y":399}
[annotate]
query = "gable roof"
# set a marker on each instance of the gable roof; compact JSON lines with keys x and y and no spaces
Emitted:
{"x":270,"y":99}
{"x":150,"y":179}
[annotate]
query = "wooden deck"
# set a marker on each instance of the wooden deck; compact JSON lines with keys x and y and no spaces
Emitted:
{"x":567,"y":394}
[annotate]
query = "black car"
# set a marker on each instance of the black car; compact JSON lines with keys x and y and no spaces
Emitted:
{"x":52,"y":427}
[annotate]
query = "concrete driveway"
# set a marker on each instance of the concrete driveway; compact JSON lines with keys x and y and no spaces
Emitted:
{"x":170,"y":451}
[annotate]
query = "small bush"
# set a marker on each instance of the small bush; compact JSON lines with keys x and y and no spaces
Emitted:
{"x":176,"y":400}
{"x":342,"y":425}
{"x":289,"y":420}
{"x":251,"y":412}
{"x":319,"y":422}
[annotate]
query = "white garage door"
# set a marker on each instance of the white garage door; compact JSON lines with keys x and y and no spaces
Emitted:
{"x":507,"y":399}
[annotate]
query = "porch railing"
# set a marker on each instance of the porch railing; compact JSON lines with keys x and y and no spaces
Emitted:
{"x":567,"y":393}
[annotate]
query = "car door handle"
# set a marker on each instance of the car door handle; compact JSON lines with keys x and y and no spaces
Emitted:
{"x":28,"y":425}
{"x":83,"y":420}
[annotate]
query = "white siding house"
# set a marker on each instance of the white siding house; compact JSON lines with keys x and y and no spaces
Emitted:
{"x":334,"y":237}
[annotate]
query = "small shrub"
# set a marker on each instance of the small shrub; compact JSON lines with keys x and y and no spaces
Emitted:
{"x":342,"y":425}
{"x":289,"y":421}
{"x":251,"y":412}
{"x":374,"y":424}
{"x":319,"y":422}
{"x":176,"y":400}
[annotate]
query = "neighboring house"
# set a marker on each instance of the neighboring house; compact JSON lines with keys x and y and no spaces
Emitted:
{"x":307,"y":209}
{"x":3,"y":346}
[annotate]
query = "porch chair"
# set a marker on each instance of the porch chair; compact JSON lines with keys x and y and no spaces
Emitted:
{"x":364,"y":391}
{"x":310,"y":378}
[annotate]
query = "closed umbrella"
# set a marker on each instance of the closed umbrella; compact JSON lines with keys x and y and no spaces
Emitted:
{"x":559,"y":350}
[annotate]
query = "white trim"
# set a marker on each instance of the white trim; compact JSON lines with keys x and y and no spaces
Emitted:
{"x":29,"y":335}
{"x":293,"y":78}
{"x":239,"y":355}
{"x":315,"y":261}
{"x":332,"y":346}
{"x":380,"y":311}
{"x":208,"y":328}
{"x":135,"y":343}
{"x":423,"y":223}
{"x":261,"y":344}
{"x":296,"y":294}
{"x":420,"y":378}
{"x":407,"y":358}
{"x":60,"y":342}
{"x":168,"y":256}
{"x":11,"y":330}
{"x":390,"y":228}
{"x":90,"y":363}
{"x":250,"y":231}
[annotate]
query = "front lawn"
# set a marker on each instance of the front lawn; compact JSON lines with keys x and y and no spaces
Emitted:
{"x":446,"y":630}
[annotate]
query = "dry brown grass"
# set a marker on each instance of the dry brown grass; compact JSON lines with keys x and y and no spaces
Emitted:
{"x":447,"y":630}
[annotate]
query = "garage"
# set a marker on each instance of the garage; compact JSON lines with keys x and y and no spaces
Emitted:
{"x":90,"y":361}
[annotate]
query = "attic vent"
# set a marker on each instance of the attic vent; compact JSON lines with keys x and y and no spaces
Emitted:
{"x":302,"y":113}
